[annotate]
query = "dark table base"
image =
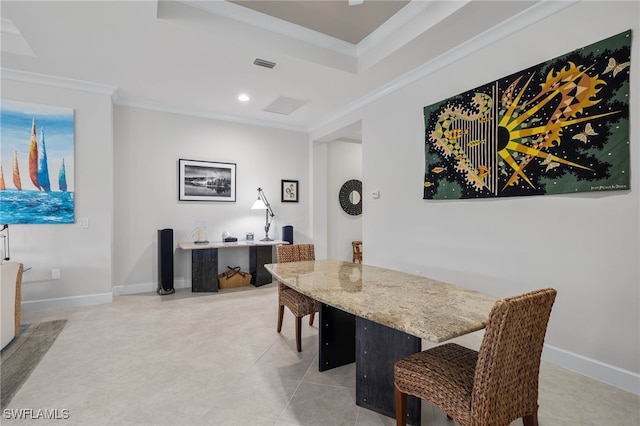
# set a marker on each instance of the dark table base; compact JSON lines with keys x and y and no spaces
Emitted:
{"x":345,"y":338}
{"x":204,"y":268}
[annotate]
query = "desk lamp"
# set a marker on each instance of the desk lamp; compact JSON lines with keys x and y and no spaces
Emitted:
{"x":5,"y":240}
{"x":262,"y":203}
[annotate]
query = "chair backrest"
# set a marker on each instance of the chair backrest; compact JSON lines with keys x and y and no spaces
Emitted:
{"x":10,"y":306}
{"x":357,"y":251}
{"x":295,"y":252}
{"x":506,"y":377}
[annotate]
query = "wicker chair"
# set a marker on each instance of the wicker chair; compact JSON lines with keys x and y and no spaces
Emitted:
{"x":357,"y":251}
{"x":491,"y":387}
{"x":11,"y":291}
{"x":299,"y":304}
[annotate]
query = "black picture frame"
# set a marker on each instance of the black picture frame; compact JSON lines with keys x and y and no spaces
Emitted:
{"x":206,"y":181}
{"x":289,"y":191}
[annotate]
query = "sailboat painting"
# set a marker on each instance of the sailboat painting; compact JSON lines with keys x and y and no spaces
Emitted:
{"x":37,"y":153}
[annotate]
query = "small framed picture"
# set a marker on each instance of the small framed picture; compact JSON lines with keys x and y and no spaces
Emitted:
{"x":206,"y":181}
{"x":289,"y":191}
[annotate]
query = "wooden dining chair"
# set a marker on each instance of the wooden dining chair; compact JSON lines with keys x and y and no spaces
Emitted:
{"x":493,"y":386}
{"x":299,"y":304}
{"x":11,"y":298}
{"x":357,"y":251}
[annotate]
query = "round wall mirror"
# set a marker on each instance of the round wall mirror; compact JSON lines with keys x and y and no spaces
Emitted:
{"x":350,"y":197}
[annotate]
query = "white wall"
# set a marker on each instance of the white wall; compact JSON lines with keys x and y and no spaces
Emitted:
{"x":148,"y":145}
{"x":83,"y":255}
{"x":584,"y":245}
{"x":320,"y":211}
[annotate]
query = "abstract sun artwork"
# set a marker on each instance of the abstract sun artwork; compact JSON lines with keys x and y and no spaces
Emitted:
{"x":558,"y":127}
{"x":36,"y":164}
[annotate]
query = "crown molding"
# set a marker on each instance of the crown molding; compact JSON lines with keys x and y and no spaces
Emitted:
{"x":408,"y":23}
{"x":133,"y":103}
{"x":67,"y":83}
{"x":376,"y":45}
{"x":276,"y":25}
{"x":510,"y":26}
{"x":112,"y":91}
{"x":528,"y":17}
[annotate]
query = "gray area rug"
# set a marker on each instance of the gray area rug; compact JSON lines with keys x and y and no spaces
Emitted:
{"x":23,"y":354}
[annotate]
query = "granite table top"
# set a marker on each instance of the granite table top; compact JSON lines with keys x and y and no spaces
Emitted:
{"x":419,"y":306}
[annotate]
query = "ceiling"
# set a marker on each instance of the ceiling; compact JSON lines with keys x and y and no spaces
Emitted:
{"x":196,"y":57}
{"x":351,"y":23}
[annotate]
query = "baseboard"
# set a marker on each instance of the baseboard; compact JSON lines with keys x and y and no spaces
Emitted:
{"x":609,"y":374}
{"x":614,"y":376}
{"x":119,"y":290}
{"x":94,"y":299}
{"x":66,"y":302}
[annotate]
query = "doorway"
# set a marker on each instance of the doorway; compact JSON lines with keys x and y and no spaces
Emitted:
{"x":337,"y":159}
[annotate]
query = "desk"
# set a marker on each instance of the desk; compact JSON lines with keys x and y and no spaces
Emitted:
{"x":387,"y":314}
{"x":204,"y":262}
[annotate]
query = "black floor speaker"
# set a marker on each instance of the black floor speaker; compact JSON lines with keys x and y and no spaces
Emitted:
{"x":165,"y":261}
{"x":287,"y":234}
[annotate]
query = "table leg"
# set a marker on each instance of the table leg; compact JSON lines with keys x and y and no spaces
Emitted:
{"x":345,"y":338}
{"x":337,"y":334}
{"x":258,"y":257}
{"x":204,"y":270}
{"x":378,"y":347}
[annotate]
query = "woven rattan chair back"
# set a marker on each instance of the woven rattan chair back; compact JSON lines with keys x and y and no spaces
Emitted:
{"x":299,"y":304}
{"x":493,"y":386}
{"x":295,"y":252}
{"x":356,"y":247}
{"x":506,"y":376}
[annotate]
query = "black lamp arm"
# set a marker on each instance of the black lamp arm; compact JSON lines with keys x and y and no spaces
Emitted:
{"x":5,"y":238}
{"x":265,"y":201}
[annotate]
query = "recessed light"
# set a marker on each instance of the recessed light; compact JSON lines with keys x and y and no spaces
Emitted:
{"x":244,"y":98}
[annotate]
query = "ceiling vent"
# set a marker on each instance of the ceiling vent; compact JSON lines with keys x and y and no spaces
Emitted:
{"x":264,"y":63}
{"x":284,"y":105}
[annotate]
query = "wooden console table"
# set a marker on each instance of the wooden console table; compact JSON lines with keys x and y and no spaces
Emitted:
{"x":204,"y":262}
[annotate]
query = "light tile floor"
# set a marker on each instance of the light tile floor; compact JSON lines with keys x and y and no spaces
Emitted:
{"x":216,"y":359}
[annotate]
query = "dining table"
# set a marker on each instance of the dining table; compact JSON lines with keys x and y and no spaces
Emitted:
{"x":374,"y":316}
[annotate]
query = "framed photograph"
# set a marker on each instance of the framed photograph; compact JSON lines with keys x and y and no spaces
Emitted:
{"x":289,"y":190}
{"x":206,"y":181}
